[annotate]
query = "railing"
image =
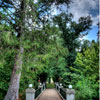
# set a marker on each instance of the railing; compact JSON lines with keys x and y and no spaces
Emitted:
{"x":37,"y":92}
{"x":65,"y":93}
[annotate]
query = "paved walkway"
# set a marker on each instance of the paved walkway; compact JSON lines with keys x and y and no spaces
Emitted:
{"x":50,"y":94}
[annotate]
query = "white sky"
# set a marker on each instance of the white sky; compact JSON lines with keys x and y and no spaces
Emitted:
{"x":81,"y":8}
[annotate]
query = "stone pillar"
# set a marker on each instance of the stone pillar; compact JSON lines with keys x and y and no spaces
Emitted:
{"x":44,"y":86}
{"x":41,"y":86}
{"x":56,"y":84}
{"x":30,"y":94}
{"x":70,"y":94}
{"x":61,"y":86}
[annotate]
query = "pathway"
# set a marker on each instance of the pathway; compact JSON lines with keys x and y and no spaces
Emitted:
{"x":50,"y":94}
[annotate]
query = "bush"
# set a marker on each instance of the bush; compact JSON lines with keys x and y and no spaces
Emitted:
{"x":85,"y":89}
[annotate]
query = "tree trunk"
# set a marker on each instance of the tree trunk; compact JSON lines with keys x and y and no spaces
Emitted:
{"x":13,"y":90}
{"x":12,"y":93}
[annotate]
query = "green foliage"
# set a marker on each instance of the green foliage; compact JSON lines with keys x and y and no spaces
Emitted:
{"x":6,"y":66}
{"x":84,"y":74}
{"x":49,"y":50}
{"x":8,"y":42}
{"x":87,"y":84}
{"x":85,"y":89}
{"x":88,"y":62}
{"x":71,"y":32}
{"x":50,"y":85}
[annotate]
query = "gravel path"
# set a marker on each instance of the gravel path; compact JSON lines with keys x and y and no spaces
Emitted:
{"x":50,"y":94}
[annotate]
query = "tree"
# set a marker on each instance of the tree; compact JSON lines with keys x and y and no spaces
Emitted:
{"x":85,"y":45}
{"x":7,"y":55}
{"x":38,"y":49}
{"x":87,"y":68}
{"x":71,"y":31}
{"x":13,"y":89}
{"x":36,"y":43}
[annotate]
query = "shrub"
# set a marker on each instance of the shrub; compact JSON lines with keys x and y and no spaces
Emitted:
{"x":85,"y":89}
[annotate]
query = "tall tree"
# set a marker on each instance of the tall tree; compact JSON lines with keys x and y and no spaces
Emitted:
{"x":87,"y":66}
{"x":71,"y":31}
{"x":13,"y":90}
{"x":13,"y":13}
{"x":85,"y":45}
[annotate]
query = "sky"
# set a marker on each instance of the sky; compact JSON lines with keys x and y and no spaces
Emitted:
{"x":87,"y":7}
{"x":83,"y":8}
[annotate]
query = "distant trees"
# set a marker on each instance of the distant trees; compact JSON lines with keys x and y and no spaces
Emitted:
{"x":84,"y":74}
{"x":88,"y":64}
{"x":71,"y":31}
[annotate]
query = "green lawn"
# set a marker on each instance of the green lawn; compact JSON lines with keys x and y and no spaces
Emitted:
{"x":50,"y":85}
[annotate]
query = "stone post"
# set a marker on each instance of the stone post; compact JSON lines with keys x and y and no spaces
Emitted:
{"x":70,"y":94}
{"x":56,"y":84}
{"x":30,"y":94}
{"x":44,"y":86}
{"x":61,"y":86}
{"x":41,"y":86}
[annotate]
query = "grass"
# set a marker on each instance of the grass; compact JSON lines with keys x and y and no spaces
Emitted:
{"x":52,"y":85}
